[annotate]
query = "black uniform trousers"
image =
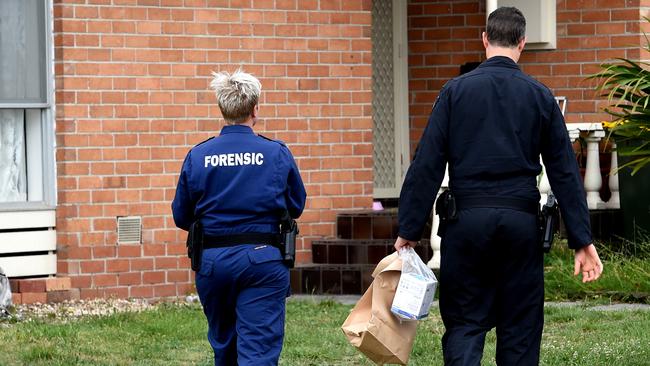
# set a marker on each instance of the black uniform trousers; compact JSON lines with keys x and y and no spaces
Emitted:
{"x":492,"y":276}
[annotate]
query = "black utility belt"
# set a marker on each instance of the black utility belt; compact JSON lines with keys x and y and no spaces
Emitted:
{"x":224,"y":241}
{"x":497,"y":202}
{"x":447,"y":206}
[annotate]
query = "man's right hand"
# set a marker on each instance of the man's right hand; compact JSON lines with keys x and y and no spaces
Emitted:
{"x":587,"y":262}
{"x":401,"y":243}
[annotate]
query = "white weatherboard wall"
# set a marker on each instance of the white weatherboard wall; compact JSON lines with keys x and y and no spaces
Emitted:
{"x":28,"y":243}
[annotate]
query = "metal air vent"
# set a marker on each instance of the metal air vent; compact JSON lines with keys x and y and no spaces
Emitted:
{"x":129,"y":230}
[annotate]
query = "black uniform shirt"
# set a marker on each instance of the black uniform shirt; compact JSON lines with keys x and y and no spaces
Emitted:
{"x":491,"y":125}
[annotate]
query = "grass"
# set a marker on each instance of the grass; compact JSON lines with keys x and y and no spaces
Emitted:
{"x":173,"y":334}
{"x":572,"y":336}
{"x":626,"y":276}
{"x":167,"y":335}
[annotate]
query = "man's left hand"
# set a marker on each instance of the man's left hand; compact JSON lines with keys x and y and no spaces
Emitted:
{"x":588,"y":263}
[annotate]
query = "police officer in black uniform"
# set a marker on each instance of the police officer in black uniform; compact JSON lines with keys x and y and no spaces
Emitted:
{"x":491,"y":125}
{"x":237,"y":186}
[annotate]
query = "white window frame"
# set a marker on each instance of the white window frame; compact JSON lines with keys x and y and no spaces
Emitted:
{"x":27,"y":228}
{"x":39,"y":136}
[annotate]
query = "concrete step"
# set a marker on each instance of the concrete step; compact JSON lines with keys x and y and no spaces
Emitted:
{"x":344,"y":266}
{"x":370,"y":225}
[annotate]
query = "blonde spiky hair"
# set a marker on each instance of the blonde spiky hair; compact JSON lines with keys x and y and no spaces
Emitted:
{"x":237,"y":94}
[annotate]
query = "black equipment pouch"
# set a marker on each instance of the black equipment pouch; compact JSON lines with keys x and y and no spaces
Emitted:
{"x":195,"y":245}
{"x":548,"y":222}
{"x":446,"y":210}
{"x":288,"y":233}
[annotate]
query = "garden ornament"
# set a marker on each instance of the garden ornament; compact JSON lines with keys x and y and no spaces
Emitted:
{"x":5,"y":294}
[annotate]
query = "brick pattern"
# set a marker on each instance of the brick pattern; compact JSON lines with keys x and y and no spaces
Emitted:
{"x":445,"y":34}
{"x":131,"y":81}
{"x":42,"y":290}
{"x":132,"y":97}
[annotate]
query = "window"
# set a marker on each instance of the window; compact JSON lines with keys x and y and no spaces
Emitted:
{"x":26,"y":127}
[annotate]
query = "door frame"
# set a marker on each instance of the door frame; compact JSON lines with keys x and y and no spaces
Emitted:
{"x":400,"y":100}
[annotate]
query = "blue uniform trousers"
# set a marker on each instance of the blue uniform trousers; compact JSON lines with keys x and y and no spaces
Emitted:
{"x":492,"y":276}
{"x":243,"y":291}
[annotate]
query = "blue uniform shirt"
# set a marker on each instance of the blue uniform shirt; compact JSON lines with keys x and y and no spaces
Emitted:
{"x":491,"y":125}
{"x":238,"y":182}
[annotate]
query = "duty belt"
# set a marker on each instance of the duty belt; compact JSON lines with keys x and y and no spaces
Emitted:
{"x":498,"y":202}
{"x":223,"y":241}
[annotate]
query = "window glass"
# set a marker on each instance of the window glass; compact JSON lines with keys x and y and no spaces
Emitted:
{"x":26,"y":129}
{"x":22,"y":51}
{"x":12,"y":156}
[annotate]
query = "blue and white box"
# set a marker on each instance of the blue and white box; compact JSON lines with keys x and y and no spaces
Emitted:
{"x":413,"y":296}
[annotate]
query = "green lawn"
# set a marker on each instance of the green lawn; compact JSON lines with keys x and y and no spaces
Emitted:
{"x":626,"y":278}
{"x":572,"y":336}
{"x":175,"y":335}
{"x":172,"y":335}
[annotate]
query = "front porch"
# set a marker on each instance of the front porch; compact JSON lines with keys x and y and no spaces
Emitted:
{"x":343,"y":265}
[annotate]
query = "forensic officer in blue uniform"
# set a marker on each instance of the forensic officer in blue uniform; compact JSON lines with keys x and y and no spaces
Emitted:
{"x":238,"y":185}
{"x":491,"y":125}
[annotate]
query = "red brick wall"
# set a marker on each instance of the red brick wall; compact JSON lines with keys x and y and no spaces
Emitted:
{"x":132,"y":97}
{"x":445,"y":34}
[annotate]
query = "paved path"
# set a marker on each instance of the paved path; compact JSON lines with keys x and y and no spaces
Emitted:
{"x":352,"y":299}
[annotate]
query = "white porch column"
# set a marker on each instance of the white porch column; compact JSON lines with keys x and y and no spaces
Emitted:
{"x":593,"y":180}
{"x":544,"y":184}
{"x":435,"y":222}
{"x":615,"y":200}
{"x":574,"y":134}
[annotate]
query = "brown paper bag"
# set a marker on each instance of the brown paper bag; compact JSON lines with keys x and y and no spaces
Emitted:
{"x":371,"y":327}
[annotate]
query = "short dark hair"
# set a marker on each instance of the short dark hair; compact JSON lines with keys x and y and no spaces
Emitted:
{"x":506,"y":27}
